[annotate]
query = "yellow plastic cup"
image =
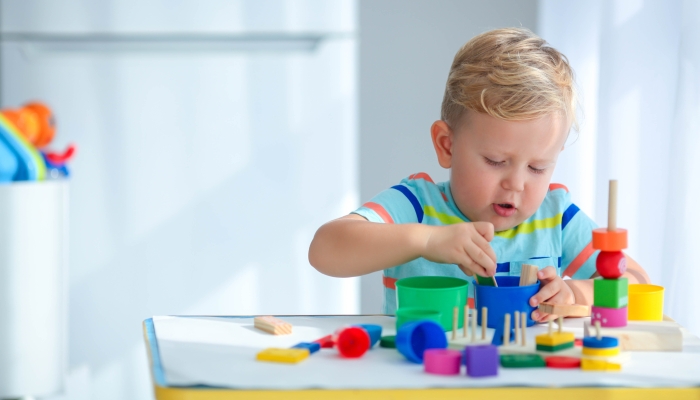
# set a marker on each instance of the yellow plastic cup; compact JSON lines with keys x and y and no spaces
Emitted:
{"x":645,"y":303}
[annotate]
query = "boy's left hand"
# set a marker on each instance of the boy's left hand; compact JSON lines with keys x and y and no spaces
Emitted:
{"x":552,"y":289}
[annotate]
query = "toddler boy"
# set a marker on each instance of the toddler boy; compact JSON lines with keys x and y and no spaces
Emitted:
{"x":509,"y":105}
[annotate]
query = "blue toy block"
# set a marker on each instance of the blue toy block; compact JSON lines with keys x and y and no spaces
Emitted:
{"x":481,"y":361}
{"x":498,"y":336}
{"x":312,"y":347}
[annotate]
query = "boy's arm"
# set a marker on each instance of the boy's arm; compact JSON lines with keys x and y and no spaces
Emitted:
{"x":583,"y":288}
{"x":353,"y":246}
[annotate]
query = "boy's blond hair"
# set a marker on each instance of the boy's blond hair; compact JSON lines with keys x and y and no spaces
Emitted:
{"x":511,"y":74}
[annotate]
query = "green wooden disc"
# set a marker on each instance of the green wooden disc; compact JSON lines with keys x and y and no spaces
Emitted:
{"x":388,"y":342}
{"x":522,"y":361}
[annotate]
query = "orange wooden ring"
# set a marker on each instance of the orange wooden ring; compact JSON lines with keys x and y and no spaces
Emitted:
{"x":606,"y":240}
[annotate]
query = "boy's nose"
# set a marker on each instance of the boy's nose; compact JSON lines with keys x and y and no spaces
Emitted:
{"x":514,"y":181}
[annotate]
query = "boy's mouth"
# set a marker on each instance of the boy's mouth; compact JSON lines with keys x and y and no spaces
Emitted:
{"x":504,"y":209}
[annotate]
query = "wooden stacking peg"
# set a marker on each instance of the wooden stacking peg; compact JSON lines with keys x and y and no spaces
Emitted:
{"x":466,"y":316}
{"x":516,"y":320}
{"x":455,"y":320}
{"x":484,"y":318}
{"x":611,"y":238}
{"x":474,"y":326}
{"x":523,"y":323}
{"x":506,"y":330}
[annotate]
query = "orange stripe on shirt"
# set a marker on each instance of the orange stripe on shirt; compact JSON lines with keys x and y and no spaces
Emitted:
{"x":555,"y":186}
{"x":580,"y":259}
{"x":389,"y":283}
{"x":422,"y":175}
{"x":380,"y":211}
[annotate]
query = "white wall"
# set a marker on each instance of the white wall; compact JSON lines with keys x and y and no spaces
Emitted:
{"x":406,"y":49}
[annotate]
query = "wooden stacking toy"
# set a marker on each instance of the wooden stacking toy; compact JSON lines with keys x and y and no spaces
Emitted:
{"x":555,"y":341}
{"x":610,"y":292}
{"x":601,"y":353}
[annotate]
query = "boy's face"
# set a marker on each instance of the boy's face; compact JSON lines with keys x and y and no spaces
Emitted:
{"x":500,"y":170}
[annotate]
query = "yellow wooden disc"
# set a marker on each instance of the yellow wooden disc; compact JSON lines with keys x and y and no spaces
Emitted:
{"x":555,"y":339}
{"x":609,"y":352}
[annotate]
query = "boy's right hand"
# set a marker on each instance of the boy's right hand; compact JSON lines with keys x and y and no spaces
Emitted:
{"x":465,"y":244}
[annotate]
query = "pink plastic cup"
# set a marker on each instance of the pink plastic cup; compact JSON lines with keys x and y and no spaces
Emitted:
{"x":442,"y":361}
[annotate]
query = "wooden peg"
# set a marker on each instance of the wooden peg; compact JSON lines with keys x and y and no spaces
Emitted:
{"x":597,"y":330}
{"x":612,"y":205}
{"x":464,"y":324}
{"x":494,"y":281}
{"x":272,"y":325}
{"x":516,"y":320}
{"x":560,"y":322}
{"x":528,"y":275}
{"x":474,"y":326}
{"x":455,"y":320}
{"x":506,"y":330}
{"x":523,"y":323}
{"x":549,"y":328}
{"x":484,"y":318}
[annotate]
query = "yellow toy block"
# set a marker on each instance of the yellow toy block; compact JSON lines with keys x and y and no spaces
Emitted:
{"x":555,"y":339}
{"x":590,"y":364}
{"x":291,"y":356}
{"x":613,"y":351}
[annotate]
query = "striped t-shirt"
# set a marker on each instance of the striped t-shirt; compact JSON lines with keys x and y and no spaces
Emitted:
{"x":558,"y":234}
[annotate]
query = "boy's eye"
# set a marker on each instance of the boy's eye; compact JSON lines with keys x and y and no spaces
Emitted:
{"x":537,"y":170}
{"x":492,"y":162}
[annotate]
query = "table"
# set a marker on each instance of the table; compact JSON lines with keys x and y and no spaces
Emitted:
{"x":213,"y":357}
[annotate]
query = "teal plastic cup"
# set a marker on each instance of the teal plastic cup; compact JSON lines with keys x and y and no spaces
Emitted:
{"x":440,"y":293}
{"x":411,"y":314}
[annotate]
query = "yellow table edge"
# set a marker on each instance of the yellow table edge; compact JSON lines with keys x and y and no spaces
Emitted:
{"x":521,"y":393}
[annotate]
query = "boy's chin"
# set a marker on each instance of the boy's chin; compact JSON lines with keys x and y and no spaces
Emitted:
{"x":504,"y":224}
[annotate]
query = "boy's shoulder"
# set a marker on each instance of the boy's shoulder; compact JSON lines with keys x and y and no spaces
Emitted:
{"x":424,"y":187}
{"x":556,"y":201}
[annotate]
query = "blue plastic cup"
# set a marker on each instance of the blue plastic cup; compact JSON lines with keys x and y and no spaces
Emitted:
{"x":414,"y":338}
{"x":374,"y":332}
{"x":507,"y":298}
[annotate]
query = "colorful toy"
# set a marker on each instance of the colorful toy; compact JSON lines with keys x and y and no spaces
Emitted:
{"x":30,"y":165}
{"x":352,"y":342}
{"x":388,"y":342}
{"x":610,"y":293}
{"x":410,"y":314}
{"x":312,"y":347}
{"x":646,"y":302}
{"x":442,"y":361}
{"x":326,"y":342}
{"x":562,"y":362}
{"x":290,"y":356}
{"x":481,"y":360}
{"x":35,"y":121}
{"x":555,"y":341}
{"x":528,"y":275}
{"x":609,"y":317}
{"x":522,"y":361}
{"x":507,"y":298}
{"x":440,"y":293}
{"x":565,"y":310}
{"x":272,"y":325}
{"x":414,"y":338}
{"x":486,"y":281}
{"x":374,"y":332}
{"x":643,"y":335}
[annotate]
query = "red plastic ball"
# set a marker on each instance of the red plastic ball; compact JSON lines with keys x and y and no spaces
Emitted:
{"x":611,"y":264}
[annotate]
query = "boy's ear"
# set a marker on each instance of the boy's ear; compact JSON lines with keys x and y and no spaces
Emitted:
{"x":441,"y":133}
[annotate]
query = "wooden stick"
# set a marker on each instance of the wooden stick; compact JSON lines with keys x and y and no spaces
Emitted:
{"x":466,"y":316}
{"x":506,"y":330}
{"x":494,"y":281}
{"x":484,"y":314}
{"x":597,"y":330}
{"x":516,"y":317}
{"x":523,"y":318}
{"x":560,"y":321}
{"x":474,"y":326}
{"x":455,"y":320}
{"x":528,"y":275}
{"x":549,"y":328}
{"x":272,"y":325}
{"x":612,"y":205}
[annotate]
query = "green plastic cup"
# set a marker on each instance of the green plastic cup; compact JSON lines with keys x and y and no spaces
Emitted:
{"x":410,"y":314}
{"x":440,"y":293}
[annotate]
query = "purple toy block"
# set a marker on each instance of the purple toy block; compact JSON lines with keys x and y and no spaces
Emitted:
{"x":481,"y":360}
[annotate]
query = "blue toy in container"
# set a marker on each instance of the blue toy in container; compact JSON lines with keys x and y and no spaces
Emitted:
{"x":507,"y":298}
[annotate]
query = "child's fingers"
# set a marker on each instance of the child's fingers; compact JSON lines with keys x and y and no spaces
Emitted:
{"x":539,"y":316}
{"x":485,"y":229}
{"x":546,"y":292}
{"x":485,"y":246}
{"x":467,"y":263}
{"x":547,"y":274}
{"x":467,"y":271}
{"x":478,"y":255}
